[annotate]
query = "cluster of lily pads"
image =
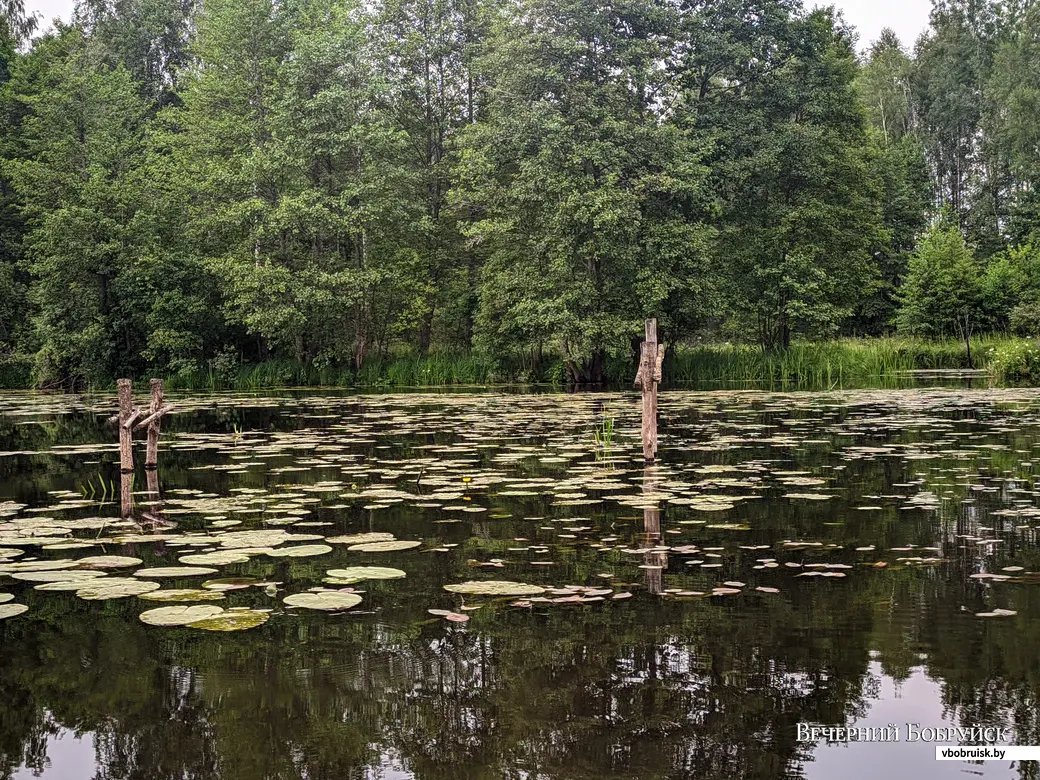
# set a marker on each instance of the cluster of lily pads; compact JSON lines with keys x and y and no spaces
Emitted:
{"x":90,"y":579}
{"x":482,"y":453}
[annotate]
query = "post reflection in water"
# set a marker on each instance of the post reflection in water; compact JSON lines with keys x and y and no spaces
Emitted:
{"x":654,"y":686}
{"x":655,"y":561}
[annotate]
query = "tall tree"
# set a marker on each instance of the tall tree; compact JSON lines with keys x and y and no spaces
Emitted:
{"x":885,"y":86}
{"x":1013,"y":121}
{"x":150,"y":38}
{"x":428,"y":50}
{"x":798,"y":212}
{"x":83,"y":136}
{"x":590,"y":200}
{"x":952,"y":64}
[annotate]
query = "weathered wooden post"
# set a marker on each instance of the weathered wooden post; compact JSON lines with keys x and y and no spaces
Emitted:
{"x":126,"y":422}
{"x":126,"y":447}
{"x":651,"y":355}
{"x":151,"y":457}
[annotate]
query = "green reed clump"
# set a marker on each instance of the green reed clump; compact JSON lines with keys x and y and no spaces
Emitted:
{"x":819,"y":364}
{"x":603,"y":436}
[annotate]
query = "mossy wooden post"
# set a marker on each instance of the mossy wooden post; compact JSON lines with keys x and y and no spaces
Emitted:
{"x":151,"y":457}
{"x":126,"y":447}
{"x":647,"y":379}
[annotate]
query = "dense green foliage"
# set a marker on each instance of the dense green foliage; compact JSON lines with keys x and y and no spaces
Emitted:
{"x":512,"y":183}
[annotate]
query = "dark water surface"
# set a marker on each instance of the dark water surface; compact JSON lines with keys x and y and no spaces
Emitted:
{"x":803,"y":495}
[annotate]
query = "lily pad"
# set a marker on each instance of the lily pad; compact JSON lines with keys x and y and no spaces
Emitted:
{"x":229,"y":583}
{"x":65,"y":585}
{"x":232,"y":620}
{"x":5,"y":597}
{"x":11,"y":568}
{"x":352,"y":574}
{"x":325,"y":600}
{"x":12,"y":610}
{"x":214,"y":558}
{"x":115,"y":588}
{"x":366,"y":538}
{"x":179,"y":616}
{"x":62,"y":575}
{"x":109,"y":561}
{"x":300,"y":551}
{"x":399,"y":544}
{"x":495,"y":588}
{"x":174,"y":571}
{"x":183,"y":594}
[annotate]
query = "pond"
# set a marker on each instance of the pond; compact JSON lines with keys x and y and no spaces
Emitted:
{"x":488,"y":585}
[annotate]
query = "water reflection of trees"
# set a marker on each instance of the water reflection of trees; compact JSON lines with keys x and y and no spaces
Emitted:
{"x":664,"y":689}
{"x":708,"y":691}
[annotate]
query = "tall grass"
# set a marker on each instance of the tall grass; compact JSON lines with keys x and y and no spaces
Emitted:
{"x":817,"y":365}
{"x":405,"y":371}
{"x":823,"y":364}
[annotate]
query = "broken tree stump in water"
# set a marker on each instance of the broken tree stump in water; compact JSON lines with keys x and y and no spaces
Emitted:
{"x":651,"y":356}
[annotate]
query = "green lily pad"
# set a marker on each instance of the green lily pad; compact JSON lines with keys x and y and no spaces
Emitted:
{"x":384,"y":546}
{"x":325,"y":600}
{"x":300,"y":551}
{"x":115,"y":588}
{"x":179,"y":616}
{"x":214,"y":558}
{"x":5,"y":597}
{"x":494,"y":588}
{"x":229,"y":583}
{"x":232,"y":620}
{"x":271,"y":538}
{"x":109,"y":561}
{"x":352,"y":574}
{"x":183,"y":594}
{"x":175,"y":571}
{"x":76,"y":584}
{"x":12,"y":610}
{"x":62,"y":575}
{"x":11,"y":568}
{"x":366,"y":538}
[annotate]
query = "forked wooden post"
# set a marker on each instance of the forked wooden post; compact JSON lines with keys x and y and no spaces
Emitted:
{"x":126,"y":420}
{"x":647,"y":378}
{"x":151,"y":457}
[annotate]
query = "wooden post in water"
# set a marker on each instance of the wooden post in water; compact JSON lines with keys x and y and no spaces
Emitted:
{"x":126,"y":421}
{"x":126,"y":447}
{"x":651,"y":355}
{"x":151,"y":457}
{"x":126,"y":495}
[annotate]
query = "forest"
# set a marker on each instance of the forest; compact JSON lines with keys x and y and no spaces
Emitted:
{"x":190,"y":188}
